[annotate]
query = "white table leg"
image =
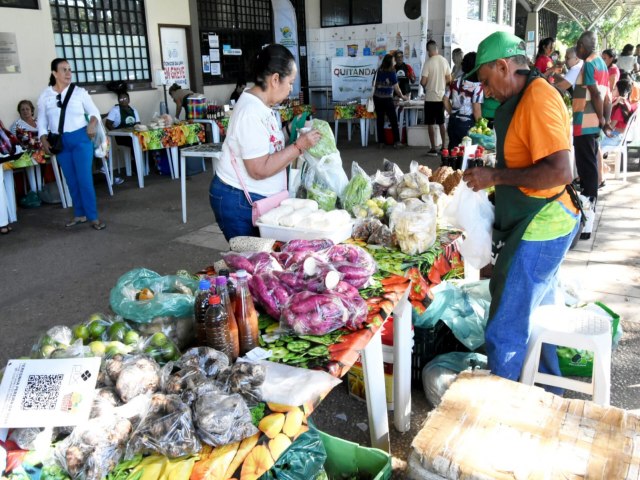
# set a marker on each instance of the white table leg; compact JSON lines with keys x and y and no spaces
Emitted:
{"x":349,"y":129}
{"x":363,"y":132}
{"x":113,"y":146}
{"x":183,"y":186}
{"x":173,"y":158}
{"x":376,"y":396}
{"x":215,"y":132}
{"x":39,"y":179}
{"x":137,"y":156}
{"x":402,"y":342}
{"x":56,"y":173}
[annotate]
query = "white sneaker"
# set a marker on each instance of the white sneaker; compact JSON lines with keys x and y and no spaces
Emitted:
{"x":118,"y":181}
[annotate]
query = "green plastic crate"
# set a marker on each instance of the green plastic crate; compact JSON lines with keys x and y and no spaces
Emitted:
{"x":346,"y":458}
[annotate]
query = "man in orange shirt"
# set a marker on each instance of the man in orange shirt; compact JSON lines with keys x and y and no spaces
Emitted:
{"x":535,"y":218}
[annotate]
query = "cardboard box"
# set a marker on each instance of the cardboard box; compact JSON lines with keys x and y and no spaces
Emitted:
{"x":418,"y":136}
{"x":489,"y":427}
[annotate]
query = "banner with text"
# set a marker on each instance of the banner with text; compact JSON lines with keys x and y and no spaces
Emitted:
{"x":286,"y":32}
{"x":351,"y":77}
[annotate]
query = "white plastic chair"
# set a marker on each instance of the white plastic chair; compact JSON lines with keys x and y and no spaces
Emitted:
{"x":620,"y":148}
{"x":575,"y":328}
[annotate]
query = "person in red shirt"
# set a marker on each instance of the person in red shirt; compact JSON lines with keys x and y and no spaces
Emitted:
{"x":544,"y":62}
{"x":610,"y":57}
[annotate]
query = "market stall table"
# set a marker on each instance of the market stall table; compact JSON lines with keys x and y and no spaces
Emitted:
{"x":408,"y":113}
{"x":206,"y":150}
{"x":213,"y":125}
{"x":350,"y":113}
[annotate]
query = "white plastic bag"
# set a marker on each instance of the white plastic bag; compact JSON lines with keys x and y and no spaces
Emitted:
{"x":100,"y":142}
{"x":472,"y":212}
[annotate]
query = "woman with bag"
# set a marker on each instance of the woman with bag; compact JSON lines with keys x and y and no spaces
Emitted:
{"x":64,"y":131}
{"x":254,"y":158}
{"x":385,"y":84}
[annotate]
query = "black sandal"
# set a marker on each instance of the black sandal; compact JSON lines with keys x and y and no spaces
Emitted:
{"x":98,"y":225}
{"x":5,"y":230}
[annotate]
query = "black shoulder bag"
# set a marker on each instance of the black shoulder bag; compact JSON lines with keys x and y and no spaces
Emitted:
{"x":55,"y":139}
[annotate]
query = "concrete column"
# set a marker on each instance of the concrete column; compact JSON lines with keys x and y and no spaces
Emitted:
{"x":532,"y":26}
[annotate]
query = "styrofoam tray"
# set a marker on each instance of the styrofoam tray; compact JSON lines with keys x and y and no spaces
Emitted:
{"x":284,"y":234}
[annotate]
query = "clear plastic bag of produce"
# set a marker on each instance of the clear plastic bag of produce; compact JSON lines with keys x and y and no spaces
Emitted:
{"x":141,"y":295}
{"x":474,"y":213}
{"x":244,"y":378}
{"x":252,"y":262}
{"x":327,"y":143}
{"x":464,"y":308}
{"x":167,"y":428}
{"x":440,"y":373}
{"x":207,"y":359}
{"x":413,"y":184}
{"x":133,"y":375}
{"x":94,"y":448}
{"x":179,"y":329}
{"x":159,"y":347}
{"x":309,"y":313}
{"x":414,"y":224}
{"x":358,"y":190}
{"x":221,"y":419}
{"x":324,"y":179}
{"x":269,"y":292}
{"x":385,"y":179}
{"x":57,"y":338}
{"x":354,"y":263}
{"x":184,"y":382}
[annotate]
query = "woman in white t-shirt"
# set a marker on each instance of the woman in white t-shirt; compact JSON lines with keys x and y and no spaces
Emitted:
{"x":254,"y":147}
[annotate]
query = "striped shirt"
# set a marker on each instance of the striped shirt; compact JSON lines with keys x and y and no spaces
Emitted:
{"x":585,"y":119}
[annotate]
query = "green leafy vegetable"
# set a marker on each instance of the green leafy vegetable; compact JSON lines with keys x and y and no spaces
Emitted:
{"x":358,"y":191}
{"x":325,"y":197}
{"x":123,"y":469}
{"x":257,"y":413}
{"x":327,"y":143}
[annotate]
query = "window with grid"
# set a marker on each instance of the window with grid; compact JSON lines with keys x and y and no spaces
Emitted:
{"x":506,"y":12}
{"x":243,"y":24}
{"x":338,"y":13}
{"x":104,"y":40}
{"x":493,"y":11}
{"x":474,"y":10}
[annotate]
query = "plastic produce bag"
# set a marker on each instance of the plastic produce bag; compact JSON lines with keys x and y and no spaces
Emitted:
{"x":293,"y":386}
{"x":354,"y":263}
{"x":178,"y":329}
{"x":472,"y":212}
{"x":269,"y":293}
{"x":464,"y":309}
{"x":303,"y":459}
{"x":358,"y":190}
{"x":327,"y":143}
{"x":324,"y":179}
{"x":209,"y":360}
{"x":159,"y":347}
{"x":137,"y":375}
{"x":221,"y":419}
{"x":309,"y":313}
{"x":171,"y":296}
{"x":55,"y":339}
{"x":252,"y":262}
{"x":244,"y":378}
{"x":441,"y":372}
{"x":414,"y":224}
{"x":167,"y":428}
{"x":94,"y":448}
{"x":100,"y":141}
{"x":579,"y":363}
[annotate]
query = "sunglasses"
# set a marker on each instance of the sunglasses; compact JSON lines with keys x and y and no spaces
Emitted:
{"x":58,"y":98}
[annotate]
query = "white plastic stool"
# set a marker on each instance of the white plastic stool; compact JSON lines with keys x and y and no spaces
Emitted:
{"x":574,"y":328}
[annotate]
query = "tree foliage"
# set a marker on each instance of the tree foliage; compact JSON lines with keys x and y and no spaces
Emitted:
{"x":614,"y":30}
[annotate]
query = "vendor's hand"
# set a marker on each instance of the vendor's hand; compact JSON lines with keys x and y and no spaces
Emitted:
{"x":45,"y":145}
{"x":309,"y":139}
{"x":479,"y":178}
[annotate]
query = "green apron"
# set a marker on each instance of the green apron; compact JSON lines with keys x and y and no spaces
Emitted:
{"x":514,"y":210}
{"x":127,"y":117}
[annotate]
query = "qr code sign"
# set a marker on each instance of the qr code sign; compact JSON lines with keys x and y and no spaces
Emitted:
{"x":41,"y":392}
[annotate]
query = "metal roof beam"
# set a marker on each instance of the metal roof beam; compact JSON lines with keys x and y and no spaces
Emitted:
{"x":602,"y":13}
{"x":571,"y":14}
{"x":525,"y":4}
{"x":540,"y":5}
{"x":584,"y":14}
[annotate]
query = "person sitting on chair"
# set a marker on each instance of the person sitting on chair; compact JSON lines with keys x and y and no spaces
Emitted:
{"x":122,"y":115}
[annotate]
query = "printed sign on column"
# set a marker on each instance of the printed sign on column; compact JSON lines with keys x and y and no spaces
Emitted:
{"x":351,"y":77}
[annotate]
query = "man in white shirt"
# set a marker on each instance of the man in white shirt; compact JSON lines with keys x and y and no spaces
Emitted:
{"x":569,"y":79}
{"x":436,"y":75}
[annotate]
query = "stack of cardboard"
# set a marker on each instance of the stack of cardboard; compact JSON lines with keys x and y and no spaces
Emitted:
{"x":490,"y":428}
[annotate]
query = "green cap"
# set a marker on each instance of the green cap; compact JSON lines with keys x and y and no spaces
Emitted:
{"x":498,"y":45}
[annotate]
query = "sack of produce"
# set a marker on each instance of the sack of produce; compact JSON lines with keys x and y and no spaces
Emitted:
{"x":94,"y":448}
{"x":167,"y":428}
{"x":358,"y":190}
{"x":141,"y":295}
{"x":440,"y":373}
{"x":221,"y":419}
{"x":324,"y":179}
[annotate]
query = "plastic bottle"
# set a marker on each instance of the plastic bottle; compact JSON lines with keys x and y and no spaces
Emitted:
{"x":200,"y":310}
{"x":231,"y":287}
{"x":217,"y":326}
{"x":223,"y":292}
{"x":246,"y":315}
{"x":444,"y":161}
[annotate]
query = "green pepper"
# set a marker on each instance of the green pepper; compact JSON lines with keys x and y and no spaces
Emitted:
{"x":287,"y":338}
{"x":278,"y":352}
{"x":298,"y":345}
{"x":319,"y":351}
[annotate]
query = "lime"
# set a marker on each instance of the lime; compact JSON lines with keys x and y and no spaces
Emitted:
{"x":47,"y":350}
{"x":169,"y":352}
{"x":117,"y":331}
{"x":81,"y":331}
{"x":159,"y":339}
{"x":98,"y":348}
{"x":47,"y":340}
{"x":131,"y":337}
{"x":97,"y":329}
{"x":115,"y":348}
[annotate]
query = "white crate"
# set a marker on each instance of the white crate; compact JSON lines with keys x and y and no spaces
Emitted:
{"x":284,"y":234}
{"x":418,"y":136}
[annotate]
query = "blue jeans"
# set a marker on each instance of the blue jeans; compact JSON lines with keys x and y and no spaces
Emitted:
{"x":531,"y":281}
{"x":232,"y":210}
{"x":76,"y":160}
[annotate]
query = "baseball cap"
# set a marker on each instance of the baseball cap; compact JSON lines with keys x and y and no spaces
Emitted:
{"x":498,"y":45}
